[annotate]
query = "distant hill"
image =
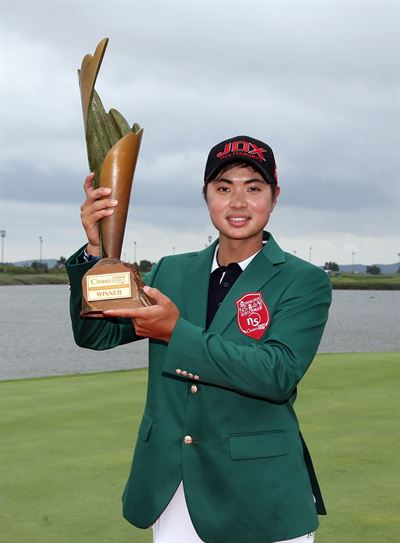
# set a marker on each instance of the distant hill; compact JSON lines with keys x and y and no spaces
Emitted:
{"x":361,"y":268}
{"x":51,"y":262}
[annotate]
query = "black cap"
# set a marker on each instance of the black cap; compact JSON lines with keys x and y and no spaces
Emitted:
{"x":254,"y":152}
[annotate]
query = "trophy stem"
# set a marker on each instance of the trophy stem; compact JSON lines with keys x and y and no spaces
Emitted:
{"x":117,"y":174}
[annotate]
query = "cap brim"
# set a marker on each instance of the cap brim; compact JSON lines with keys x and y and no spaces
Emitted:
{"x":251,"y":162}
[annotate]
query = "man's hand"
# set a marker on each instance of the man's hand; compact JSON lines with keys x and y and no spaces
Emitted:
{"x":155,"y":321}
{"x":96,"y":206}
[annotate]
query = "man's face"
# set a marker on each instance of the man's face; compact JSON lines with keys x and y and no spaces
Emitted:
{"x":240,"y":203}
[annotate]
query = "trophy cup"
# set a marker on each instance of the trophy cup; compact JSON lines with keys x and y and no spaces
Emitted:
{"x":113,"y":149}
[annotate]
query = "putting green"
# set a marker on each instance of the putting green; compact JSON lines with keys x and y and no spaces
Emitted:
{"x":67,"y":444}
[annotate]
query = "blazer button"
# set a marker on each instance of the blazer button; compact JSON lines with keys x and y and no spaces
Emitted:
{"x":178,"y":371}
{"x":188,"y":440}
{"x":184,"y":373}
{"x":190,"y":375}
{"x":196,"y":377}
{"x":193,"y":389}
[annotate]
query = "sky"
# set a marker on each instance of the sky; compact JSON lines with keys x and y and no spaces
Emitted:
{"x":318,"y":81}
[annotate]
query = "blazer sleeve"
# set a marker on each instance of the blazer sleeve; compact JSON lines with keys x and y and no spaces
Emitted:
{"x":96,"y":334}
{"x":269,"y":369}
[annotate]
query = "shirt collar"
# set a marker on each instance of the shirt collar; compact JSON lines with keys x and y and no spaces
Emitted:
{"x":243,"y":264}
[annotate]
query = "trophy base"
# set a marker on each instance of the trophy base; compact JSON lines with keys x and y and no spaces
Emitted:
{"x":112,"y":284}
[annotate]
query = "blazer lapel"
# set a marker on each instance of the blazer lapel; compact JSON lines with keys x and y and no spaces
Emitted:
{"x":260,"y":270}
{"x":196,"y":280}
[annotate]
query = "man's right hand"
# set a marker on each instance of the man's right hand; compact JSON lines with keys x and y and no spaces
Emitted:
{"x":96,"y":206}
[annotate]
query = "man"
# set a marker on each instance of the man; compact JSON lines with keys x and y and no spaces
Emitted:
{"x":219,"y":456}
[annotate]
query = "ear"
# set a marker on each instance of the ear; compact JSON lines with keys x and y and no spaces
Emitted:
{"x":277,"y":191}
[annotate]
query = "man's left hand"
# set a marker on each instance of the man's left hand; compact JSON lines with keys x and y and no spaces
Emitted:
{"x":155,"y":321}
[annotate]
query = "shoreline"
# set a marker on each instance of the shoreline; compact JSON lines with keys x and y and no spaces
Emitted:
{"x":15,"y":279}
{"x":344,"y":282}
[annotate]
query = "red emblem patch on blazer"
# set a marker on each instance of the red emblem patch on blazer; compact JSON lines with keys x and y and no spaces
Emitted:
{"x":252,"y":314}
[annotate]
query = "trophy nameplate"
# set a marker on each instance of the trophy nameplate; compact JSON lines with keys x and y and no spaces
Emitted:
{"x":112,"y":148}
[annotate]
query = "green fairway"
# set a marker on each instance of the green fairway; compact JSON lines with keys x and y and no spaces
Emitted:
{"x":67,"y":444}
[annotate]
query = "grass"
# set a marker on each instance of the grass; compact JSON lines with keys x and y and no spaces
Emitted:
{"x":57,"y":278}
{"x":363,"y":281}
{"x":50,"y":278}
{"x":347,"y":281}
{"x":67,"y":445}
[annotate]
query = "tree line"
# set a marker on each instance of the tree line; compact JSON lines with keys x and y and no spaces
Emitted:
{"x":37,"y":266}
{"x":373,"y":270}
{"x":143,"y":266}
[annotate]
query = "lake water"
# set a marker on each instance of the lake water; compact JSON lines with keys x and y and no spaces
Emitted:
{"x":36,"y":337}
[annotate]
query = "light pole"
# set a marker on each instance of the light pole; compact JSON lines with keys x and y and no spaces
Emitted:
{"x":352,"y":262}
{"x":40,"y":248}
{"x":134,"y":254}
{"x":309,"y":254}
{"x":3,"y":235}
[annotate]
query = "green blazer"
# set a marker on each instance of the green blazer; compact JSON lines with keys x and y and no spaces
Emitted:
{"x":219,"y":413}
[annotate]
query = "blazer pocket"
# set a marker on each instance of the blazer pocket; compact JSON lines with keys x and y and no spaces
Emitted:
{"x":259,"y":445}
{"x":145,"y":427}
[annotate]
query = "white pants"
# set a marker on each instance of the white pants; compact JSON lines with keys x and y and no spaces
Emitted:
{"x":175,"y":525}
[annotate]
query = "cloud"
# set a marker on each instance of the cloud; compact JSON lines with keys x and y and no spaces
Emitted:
{"x":315,"y":80}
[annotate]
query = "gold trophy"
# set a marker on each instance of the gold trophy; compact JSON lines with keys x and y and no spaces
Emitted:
{"x":113,"y":149}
